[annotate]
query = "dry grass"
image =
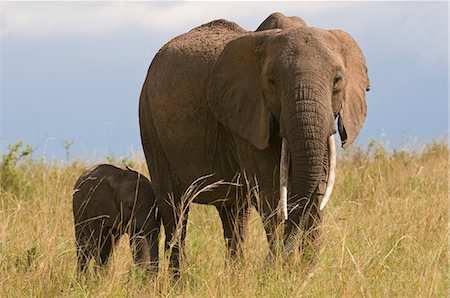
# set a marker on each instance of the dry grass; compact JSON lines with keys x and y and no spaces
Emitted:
{"x":385,"y":234}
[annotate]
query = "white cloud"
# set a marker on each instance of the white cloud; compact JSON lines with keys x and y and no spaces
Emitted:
{"x":62,"y":18}
{"x":415,"y":29}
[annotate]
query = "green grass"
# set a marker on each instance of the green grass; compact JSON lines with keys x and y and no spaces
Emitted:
{"x":385,"y":234}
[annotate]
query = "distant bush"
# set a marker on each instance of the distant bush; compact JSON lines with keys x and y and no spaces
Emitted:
{"x":10,"y":176}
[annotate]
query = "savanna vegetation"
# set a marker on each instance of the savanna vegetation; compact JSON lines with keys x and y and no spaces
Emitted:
{"x":385,"y":234}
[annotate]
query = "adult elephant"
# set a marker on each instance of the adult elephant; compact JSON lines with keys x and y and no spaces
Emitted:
{"x":220,"y":100}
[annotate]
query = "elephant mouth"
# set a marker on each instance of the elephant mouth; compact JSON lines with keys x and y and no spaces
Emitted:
{"x":284,"y":174}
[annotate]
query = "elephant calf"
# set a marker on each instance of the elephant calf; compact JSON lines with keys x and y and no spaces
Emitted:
{"x":108,"y":202}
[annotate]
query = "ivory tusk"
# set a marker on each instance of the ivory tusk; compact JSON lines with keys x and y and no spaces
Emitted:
{"x":331,"y":173}
{"x":284,"y":172}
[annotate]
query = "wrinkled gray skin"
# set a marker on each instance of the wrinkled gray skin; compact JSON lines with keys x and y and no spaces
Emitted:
{"x":108,"y":202}
{"x":219,"y":99}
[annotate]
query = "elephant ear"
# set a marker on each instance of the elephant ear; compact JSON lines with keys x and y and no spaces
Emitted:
{"x":280,"y":21}
{"x":354,"y":108}
{"x":235,"y":95}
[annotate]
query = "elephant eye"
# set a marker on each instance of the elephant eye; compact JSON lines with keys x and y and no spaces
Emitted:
{"x":271,"y":81}
{"x":337,"y":78}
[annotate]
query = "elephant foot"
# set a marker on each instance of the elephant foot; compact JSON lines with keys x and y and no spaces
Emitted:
{"x":150,"y":268}
{"x":302,"y":251}
{"x":153,"y":268}
{"x":174,"y":266}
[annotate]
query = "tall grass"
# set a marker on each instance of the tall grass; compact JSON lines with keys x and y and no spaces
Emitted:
{"x":385,"y":234}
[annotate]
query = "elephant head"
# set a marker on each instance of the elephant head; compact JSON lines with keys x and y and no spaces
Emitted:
{"x":303,"y":78}
{"x":278,"y":20}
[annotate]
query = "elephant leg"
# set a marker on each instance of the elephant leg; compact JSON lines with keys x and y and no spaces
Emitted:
{"x":105,"y":244}
{"x":144,"y":244}
{"x":83,"y":256}
{"x":174,"y":215}
{"x":105,"y":251}
{"x":140,"y":250}
{"x":234,"y":222}
{"x":153,"y":244}
{"x":82,"y":260}
{"x":144,"y":249}
{"x":267,"y":209}
{"x":265,"y":199}
{"x":164,"y":182}
{"x":151,"y":230}
{"x":262,"y":168}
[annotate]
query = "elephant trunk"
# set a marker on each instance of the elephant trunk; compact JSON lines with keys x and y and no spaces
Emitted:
{"x":307,"y":131}
{"x":307,"y":143}
{"x":284,"y":175}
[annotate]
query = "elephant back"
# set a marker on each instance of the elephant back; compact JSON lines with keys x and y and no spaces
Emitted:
{"x":205,"y":41}
{"x":175,"y":93}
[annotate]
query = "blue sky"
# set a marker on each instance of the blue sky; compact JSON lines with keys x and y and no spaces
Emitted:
{"x":74,"y":70}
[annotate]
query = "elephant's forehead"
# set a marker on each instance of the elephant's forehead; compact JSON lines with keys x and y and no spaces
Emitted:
{"x":314,"y":45}
{"x":301,"y":38}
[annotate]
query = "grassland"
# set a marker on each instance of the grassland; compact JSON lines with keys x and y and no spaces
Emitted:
{"x":385,"y":234}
